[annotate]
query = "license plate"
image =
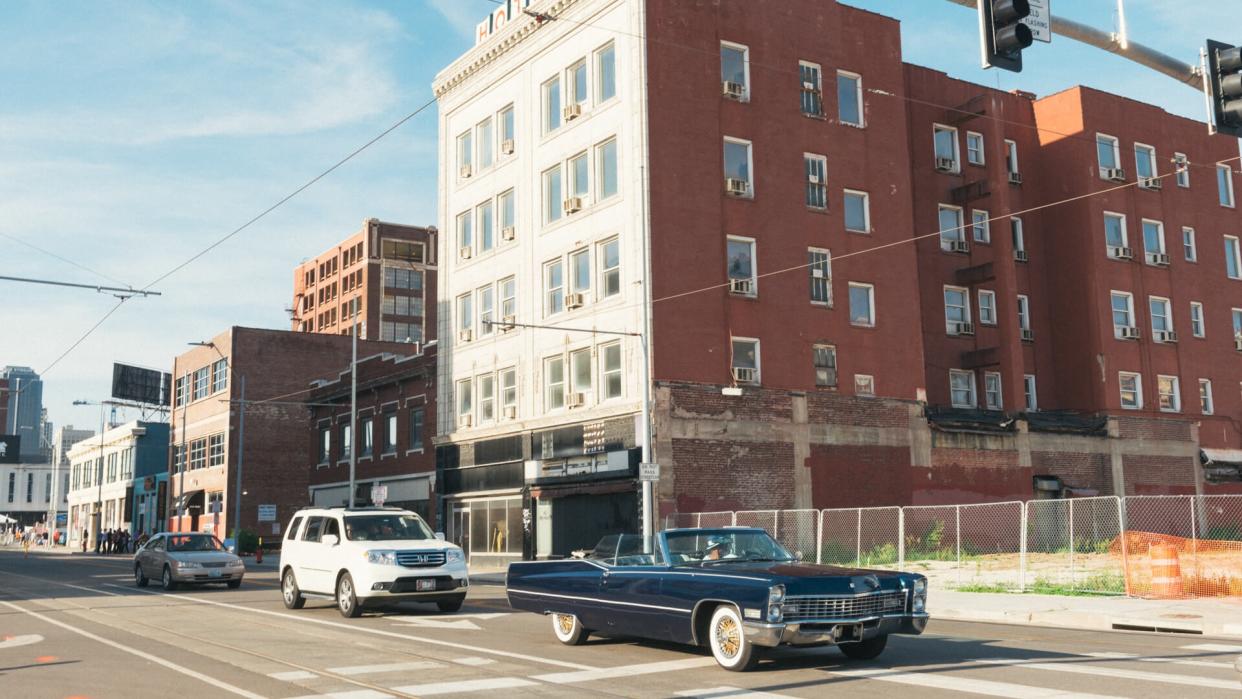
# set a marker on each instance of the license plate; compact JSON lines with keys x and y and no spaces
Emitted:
{"x":424,"y":585}
{"x":214,"y":573}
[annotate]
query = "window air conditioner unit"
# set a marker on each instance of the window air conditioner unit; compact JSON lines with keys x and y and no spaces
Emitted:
{"x":963,"y":328}
{"x":817,"y":273}
{"x":1020,"y":255}
{"x":1237,"y":344}
{"x":809,"y":86}
{"x":1158,"y":258}
{"x":465,"y":335}
{"x":573,"y":301}
{"x":1130,"y":333}
{"x":572,"y":111}
{"x":1150,"y":183}
{"x":959,"y":246}
{"x":1118,"y":252}
{"x":1028,"y":335}
{"x":946,"y":164}
{"x":506,"y":146}
{"x":742,"y":286}
{"x":1015,"y":178}
{"x":1114,"y":174}
{"x":812,"y":179}
{"x":733,"y":90}
{"x":465,"y":420}
{"x":507,"y":324}
{"x":575,"y":400}
{"x":508,"y":233}
{"x":465,"y":252}
{"x":510,"y":412}
{"x":745,"y":374}
{"x":1166,"y":336}
{"x":572,"y":205}
{"x":736,"y":187}
{"x":466,"y":171}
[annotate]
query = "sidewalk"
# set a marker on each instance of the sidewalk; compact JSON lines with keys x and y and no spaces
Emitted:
{"x":1219,"y":617}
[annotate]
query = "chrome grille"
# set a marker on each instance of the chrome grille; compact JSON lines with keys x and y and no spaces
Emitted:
{"x":796,"y":608}
{"x":420,"y":559}
{"x":214,"y":564}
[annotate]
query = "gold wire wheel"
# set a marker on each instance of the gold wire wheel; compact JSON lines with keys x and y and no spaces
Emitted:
{"x":565,"y":623}
{"x":728,"y":637}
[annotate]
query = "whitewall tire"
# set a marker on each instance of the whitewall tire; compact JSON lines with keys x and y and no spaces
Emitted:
{"x":568,"y":629}
{"x":727,"y":640}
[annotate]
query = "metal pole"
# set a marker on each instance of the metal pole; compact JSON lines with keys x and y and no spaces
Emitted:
{"x":957,"y":511}
{"x":1125,"y":546}
{"x":185,"y":401}
{"x":353,"y":412}
{"x":901,"y":538}
{"x":241,"y":450}
{"x":819,"y":538}
{"x":1073,"y":580}
{"x":99,"y":490}
{"x":1022,"y":547}
{"x":858,"y":540}
{"x":17,"y":424}
{"x":1194,"y":545}
{"x":647,"y":486}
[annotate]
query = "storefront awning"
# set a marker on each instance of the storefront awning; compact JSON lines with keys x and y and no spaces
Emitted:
{"x":1222,"y":456}
{"x":180,"y":503}
{"x":1221,"y":465}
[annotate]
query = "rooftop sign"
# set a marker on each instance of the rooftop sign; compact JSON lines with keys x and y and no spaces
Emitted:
{"x":508,"y":11}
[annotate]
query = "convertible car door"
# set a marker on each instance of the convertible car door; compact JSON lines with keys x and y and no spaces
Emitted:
{"x":634,"y":597}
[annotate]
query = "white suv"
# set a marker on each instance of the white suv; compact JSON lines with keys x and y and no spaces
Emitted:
{"x":387,"y":555}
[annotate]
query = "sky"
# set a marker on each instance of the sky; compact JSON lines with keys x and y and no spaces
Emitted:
{"x":134,"y":134}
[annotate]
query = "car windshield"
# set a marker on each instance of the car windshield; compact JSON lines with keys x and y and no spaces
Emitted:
{"x":386,"y":527}
{"x":194,"y":542}
{"x":724,"y":546}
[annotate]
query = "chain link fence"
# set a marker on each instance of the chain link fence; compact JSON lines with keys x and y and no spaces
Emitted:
{"x":1104,"y":545}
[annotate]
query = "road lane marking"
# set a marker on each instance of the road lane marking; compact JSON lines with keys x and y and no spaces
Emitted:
{"x":608,"y":673}
{"x":15,"y":641}
{"x":426,"y":690}
{"x":352,"y":694}
{"x":219,"y":684}
{"x":729,"y":693}
{"x":1214,"y":648}
{"x":473,"y":661}
{"x":292,"y":675}
{"x":388,"y":667}
{"x":1163,"y":659}
{"x":420,"y":622}
{"x":964,"y":684}
{"x":1139,"y":675}
{"x":121,"y":575}
{"x":364,"y":629}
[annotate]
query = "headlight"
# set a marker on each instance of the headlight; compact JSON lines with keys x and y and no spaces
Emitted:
{"x":920,"y":586}
{"x":382,"y":557}
{"x":920,"y":605}
{"x":236,"y":563}
{"x":188,"y":564}
{"x":454,"y":556}
{"x":776,"y":596}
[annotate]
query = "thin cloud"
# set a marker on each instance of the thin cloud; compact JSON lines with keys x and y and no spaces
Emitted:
{"x":461,"y":16}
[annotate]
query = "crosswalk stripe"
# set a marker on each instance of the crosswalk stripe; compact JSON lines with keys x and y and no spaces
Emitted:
{"x":1119,"y":673}
{"x":292,"y":675}
{"x":426,"y":690}
{"x":472,"y":661}
{"x":388,"y":667}
{"x":355,"y":694}
{"x":964,"y":684}
{"x":728,"y":693}
{"x":608,"y":673}
{"x":1214,"y":648}
{"x":1169,"y":660}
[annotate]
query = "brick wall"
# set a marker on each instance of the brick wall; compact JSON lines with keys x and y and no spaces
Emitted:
{"x":860,"y":476}
{"x":824,"y":407}
{"x":698,"y":400}
{"x":718,"y":475}
{"x":1075,"y":469}
{"x":1147,"y":428}
{"x":1159,"y":475}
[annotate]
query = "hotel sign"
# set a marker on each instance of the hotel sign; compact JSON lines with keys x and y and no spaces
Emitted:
{"x":508,"y":11}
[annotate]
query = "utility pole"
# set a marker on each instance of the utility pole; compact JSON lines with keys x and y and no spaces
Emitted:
{"x":353,"y":408}
{"x":241,"y":444}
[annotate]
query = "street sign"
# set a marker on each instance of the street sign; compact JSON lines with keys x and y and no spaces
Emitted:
{"x":648,"y":472}
{"x":379,"y":493}
{"x":1040,"y":20}
{"x":267,"y":513}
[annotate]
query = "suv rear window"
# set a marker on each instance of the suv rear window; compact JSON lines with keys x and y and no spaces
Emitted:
{"x":293,"y":528}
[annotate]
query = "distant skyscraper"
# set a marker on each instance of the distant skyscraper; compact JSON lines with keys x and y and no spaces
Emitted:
{"x":25,"y":410}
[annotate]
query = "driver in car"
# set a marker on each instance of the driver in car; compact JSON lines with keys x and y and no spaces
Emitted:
{"x":718,"y":549}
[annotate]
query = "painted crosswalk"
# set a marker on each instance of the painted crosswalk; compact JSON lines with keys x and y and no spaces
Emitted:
{"x":1118,"y":673}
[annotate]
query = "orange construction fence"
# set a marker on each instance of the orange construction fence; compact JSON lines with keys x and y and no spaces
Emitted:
{"x":1172,"y":567}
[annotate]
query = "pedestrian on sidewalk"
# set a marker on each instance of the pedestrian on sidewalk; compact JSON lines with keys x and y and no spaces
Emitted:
{"x":86,"y":535}
{"x":26,"y":545}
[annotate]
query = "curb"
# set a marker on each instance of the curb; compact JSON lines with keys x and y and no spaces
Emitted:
{"x":1071,"y":619}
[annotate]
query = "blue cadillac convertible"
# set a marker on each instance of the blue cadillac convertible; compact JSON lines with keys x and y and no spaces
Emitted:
{"x":735,"y":590}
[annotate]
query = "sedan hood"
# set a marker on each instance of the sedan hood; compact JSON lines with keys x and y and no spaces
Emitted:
{"x":203,"y":556}
{"x":406,"y":544}
{"x":810,"y":578}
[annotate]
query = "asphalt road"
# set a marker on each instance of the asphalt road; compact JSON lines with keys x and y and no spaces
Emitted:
{"x":76,"y":626}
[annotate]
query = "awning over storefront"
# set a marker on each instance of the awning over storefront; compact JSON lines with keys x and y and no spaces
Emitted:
{"x":184,"y":499}
{"x":1221,"y":465}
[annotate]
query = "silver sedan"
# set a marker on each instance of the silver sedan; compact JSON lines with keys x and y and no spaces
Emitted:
{"x":175,"y":558}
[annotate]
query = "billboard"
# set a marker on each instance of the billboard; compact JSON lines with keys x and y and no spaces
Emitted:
{"x":10,"y":449}
{"x":140,"y":385}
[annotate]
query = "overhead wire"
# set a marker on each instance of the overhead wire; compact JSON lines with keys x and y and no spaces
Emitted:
{"x":64,"y":259}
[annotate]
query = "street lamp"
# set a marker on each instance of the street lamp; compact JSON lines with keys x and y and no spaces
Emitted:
{"x":241,"y":441}
{"x":97,"y":517}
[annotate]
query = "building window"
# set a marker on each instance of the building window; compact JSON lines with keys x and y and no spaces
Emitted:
{"x":952,"y":233}
{"x":1189,"y":249}
{"x":487,"y":226}
{"x":554,"y":383}
{"x":864,"y":385}
{"x":508,"y":217}
{"x":579,"y":92}
{"x":745,"y":361}
{"x":1011,"y":158}
{"x":553,"y":199}
{"x":1019,"y":238}
{"x":198,"y":458}
{"x":737,"y":167}
{"x":416,"y":429}
{"x":1144,"y":161}
{"x":553,"y":287}
{"x":465,"y":317}
{"x":1224,"y":184}
{"x":605,"y":73}
{"x":1115,"y":237}
{"x":987,"y":307}
{"x":857,"y":212}
{"x":974,"y":148}
{"x":819,"y":262}
{"x":962,"y":388}
{"x":552,"y":105}
{"x":735,"y":70}
{"x":862,"y":304}
{"x":610,"y":268}
{"x":1170,"y":393}
{"x":825,"y":361}
{"x":487,"y":141}
{"x":1123,"y":313}
{"x":465,"y":154}
{"x":944,"y":140}
{"x":1153,"y":241}
{"x":180,"y":391}
{"x":981,"y":227}
{"x":1237,"y":324}
{"x":465,"y":402}
{"x":580,"y":375}
{"x":1233,"y":258}
{"x":219,"y":375}
{"x":1108,"y":153}
{"x":1028,"y":388}
{"x":508,"y":299}
{"x":366,"y":443}
{"x":487,"y":397}
{"x":1024,"y":312}
{"x":610,"y":371}
{"x":215,"y":450}
{"x":508,"y":132}
{"x":29,"y":487}
{"x":849,"y":99}
{"x":465,"y":233}
{"x":579,"y":177}
{"x":390,"y":433}
{"x":202,"y":382}
{"x":606,"y":169}
{"x":741,"y":266}
{"x":1181,"y":165}
{"x":816,"y":168}
{"x":1205,"y":397}
{"x":812,"y":89}
{"x":1196,"y":319}
{"x":403,"y":250}
{"x":487,"y":310}
{"x":957,"y":311}
{"x":992,"y":390}
{"x":1131,"y":390}
{"x":508,"y":392}
{"x":580,"y":273}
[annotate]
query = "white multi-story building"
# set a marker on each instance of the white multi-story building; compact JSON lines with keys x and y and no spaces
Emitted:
{"x":102,"y":478}
{"x":541,"y":290}
{"x":26,"y":492}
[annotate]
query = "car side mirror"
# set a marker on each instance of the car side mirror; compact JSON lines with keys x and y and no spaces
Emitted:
{"x":329,"y":540}
{"x":798,"y":556}
{"x":440,"y":536}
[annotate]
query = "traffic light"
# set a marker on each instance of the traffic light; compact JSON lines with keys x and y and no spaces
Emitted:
{"x":1004,"y":34}
{"x":1224,"y":83}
